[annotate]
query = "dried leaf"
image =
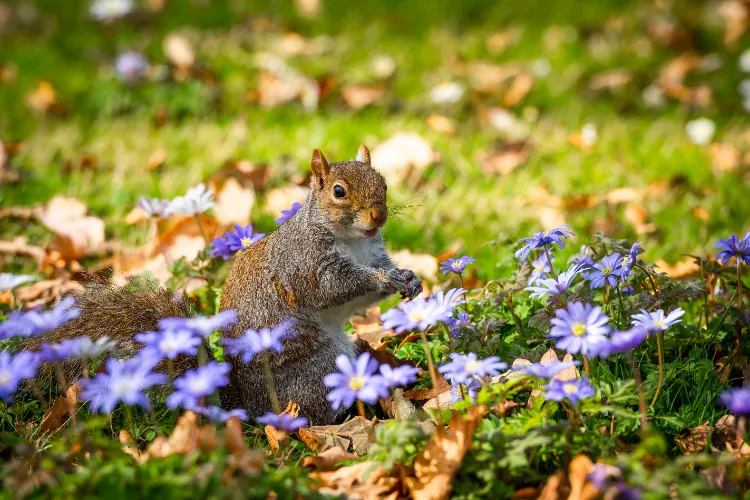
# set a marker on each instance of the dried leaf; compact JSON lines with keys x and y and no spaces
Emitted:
{"x":43,"y":99}
{"x":487,"y":77}
{"x":184,"y":439}
{"x":156,"y":159}
{"x":75,"y":232}
{"x":422,"y":394}
{"x":352,"y":434}
{"x":363,"y":480}
{"x":233,"y":436}
{"x":276,"y":437}
{"x":234,"y":203}
{"x":580,"y":488}
{"x":63,"y":407}
{"x":136,"y":215}
{"x":328,"y":459}
{"x":435,"y":467}
{"x":521,"y":86}
{"x":44,"y":292}
{"x":178,"y":51}
{"x":637,"y":216}
{"x":623,"y":195}
{"x":369,"y":327}
{"x":681,"y":269}
{"x":403,"y":156}
{"x":424,"y":265}
{"x":441,"y":123}
{"x":724,"y":157}
{"x":360,"y":96}
{"x":308,"y":8}
{"x":612,"y":79}
{"x":734,"y":13}
{"x":696,"y":439}
{"x":571,"y":373}
{"x":183,"y":237}
{"x":282,"y":198}
{"x":511,"y":156}
{"x":129,"y":445}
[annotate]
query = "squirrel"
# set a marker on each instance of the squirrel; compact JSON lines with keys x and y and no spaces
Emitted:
{"x":324,"y":264}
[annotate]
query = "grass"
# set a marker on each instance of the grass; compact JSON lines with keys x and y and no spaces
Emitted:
{"x":637,"y":147}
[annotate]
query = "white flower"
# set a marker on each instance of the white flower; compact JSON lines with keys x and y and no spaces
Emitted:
{"x":196,"y":201}
{"x":744,"y":88}
{"x":588,"y":134}
{"x":447,"y":93}
{"x":653,"y":97}
{"x":700,"y":130}
{"x":383,"y":66}
{"x":10,"y":281}
{"x":541,"y":68}
{"x":106,"y":10}
{"x":744,"y":61}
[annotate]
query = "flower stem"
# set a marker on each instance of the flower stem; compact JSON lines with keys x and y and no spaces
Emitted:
{"x":622,"y":307}
{"x":433,"y":376}
{"x":461,"y":278}
{"x":516,"y":319}
{"x":739,"y":286}
{"x":361,"y":409}
{"x":549,"y":259}
{"x":639,"y":385}
{"x":586,"y":367}
{"x":660,"y":352}
{"x":270,"y":384}
{"x":203,"y":231}
{"x":157,"y":235}
{"x":648,"y":275}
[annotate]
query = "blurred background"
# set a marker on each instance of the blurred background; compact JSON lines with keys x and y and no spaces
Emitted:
{"x":489,"y":119}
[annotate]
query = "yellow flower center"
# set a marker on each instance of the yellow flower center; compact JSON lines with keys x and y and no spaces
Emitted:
{"x":570,"y":388}
{"x":659,"y":323}
{"x":607,"y":271}
{"x":625,"y":261}
{"x":472,"y":365}
{"x":4,"y":379}
{"x":456,"y":266}
{"x":356,"y":383}
{"x":245,"y":242}
{"x":579,"y":329}
{"x":167,"y":345}
{"x":416,"y":316}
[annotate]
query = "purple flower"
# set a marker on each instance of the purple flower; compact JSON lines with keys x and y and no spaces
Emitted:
{"x":620,"y":342}
{"x":242,"y":238}
{"x":734,"y":247}
{"x":221,"y":248}
{"x":284,"y":422}
{"x":32,"y":323}
{"x":399,"y":376}
{"x":464,"y":367}
{"x":197,"y":200}
{"x":584,"y":258}
{"x":605,"y":271}
{"x":628,"y":261}
{"x":573,"y":390}
{"x":10,"y":281}
{"x":455,"y":324}
{"x":419,"y":313}
{"x":579,"y":328}
{"x":540,"y":268}
{"x":80,"y":347}
{"x":155,"y":207}
{"x":217,"y":415}
{"x":171,"y":343}
{"x":254,"y":342}
{"x":602,"y":475}
{"x":201,"y":325}
{"x":473,"y":387}
{"x":552,"y":286}
{"x":123,"y":380}
{"x":539,"y":240}
{"x":286,"y":214}
{"x":198,"y":383}
{"x":13,"y":369}
{"x":131,"y":66}
{"x":547,"y":370}
{"x":355,"y":381}
{"x":625,"y":492}
{"x":737,"y":400}
{"x":450,"y":299}
{"x":656,"y":321}
{"x":456,"y":265}
{"x":627,"y":290}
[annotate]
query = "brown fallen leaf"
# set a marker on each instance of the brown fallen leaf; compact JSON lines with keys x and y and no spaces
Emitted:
{"x":128,"y":445}
{"x":63,"y":407}
{"x":156,"y":160}
{"x":178,"y":51}
{"x":75,"y":232}
{"x":724,"y":157}
{"x":423,"y":394}
{"x":574,"y":485}
{"x":282,"y":198}
{"x":360,"y":96}
{"x":612,"y":79}
{"x":701,"y":213}
{"x":623,"y":195}
{"x":441,"y":123}
{"x":681,"y":269}
{"x":234,"y":203}
{"x":184,"y":439}
{"x":353,"y":434}
{"x":435,"y":467}
{"x":637,"y":216}
{"x":694,"y":440}
{"x":276,"y":437}
{"x":308,"y":8}
{"x":735,"y":15}
{"x":363,"y":480}
{"x":403,"y":158}
{"x":424,"y":265}
{"x":328,"y":459}
{"x":521,"y":86}
{"x":488,"y":77}
{"x":369,"y":327}
{"x":43,"y":99}
{"x":136,"y":215}
{"x":510,"y":156}
{"x":182,"y":236}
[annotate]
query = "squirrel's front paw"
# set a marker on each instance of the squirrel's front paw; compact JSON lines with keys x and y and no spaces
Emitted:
{"x":413,"y":284}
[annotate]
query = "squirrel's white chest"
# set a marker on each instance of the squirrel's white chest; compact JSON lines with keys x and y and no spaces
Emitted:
{"x":362,"y":251}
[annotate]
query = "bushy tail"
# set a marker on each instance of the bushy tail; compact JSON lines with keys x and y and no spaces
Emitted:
{"x":117,"y":312}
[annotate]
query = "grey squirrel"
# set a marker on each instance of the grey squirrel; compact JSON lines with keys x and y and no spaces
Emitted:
{"x":324,"y":264}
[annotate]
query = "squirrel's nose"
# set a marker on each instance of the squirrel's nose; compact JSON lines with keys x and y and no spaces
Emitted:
{"x":378,"y":215}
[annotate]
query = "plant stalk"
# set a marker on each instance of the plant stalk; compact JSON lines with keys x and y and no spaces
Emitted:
{"x":660,"y":352}
{"x":433,"y":376}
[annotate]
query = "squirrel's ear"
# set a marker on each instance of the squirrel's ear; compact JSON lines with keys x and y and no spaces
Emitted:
{"x":320,"y":167}
{"x":363,"y":155}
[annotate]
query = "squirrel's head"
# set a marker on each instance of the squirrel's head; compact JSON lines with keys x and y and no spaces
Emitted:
{"x":351,"y":194}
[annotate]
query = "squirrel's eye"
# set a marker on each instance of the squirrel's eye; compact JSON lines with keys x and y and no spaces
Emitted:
{"x":339,"y":191}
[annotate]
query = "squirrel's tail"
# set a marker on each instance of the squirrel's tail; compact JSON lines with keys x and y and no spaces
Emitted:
{"x":117,"y":312}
